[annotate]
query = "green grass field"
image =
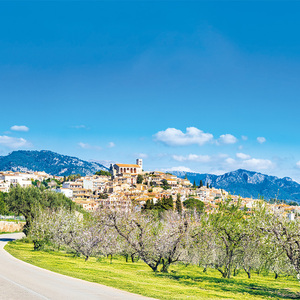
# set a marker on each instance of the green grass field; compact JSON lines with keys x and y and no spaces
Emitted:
{"x":181,"y":283}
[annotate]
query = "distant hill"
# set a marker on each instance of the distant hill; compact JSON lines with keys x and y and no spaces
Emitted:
{"x":49,"y":162}
{"x":249,"y":184}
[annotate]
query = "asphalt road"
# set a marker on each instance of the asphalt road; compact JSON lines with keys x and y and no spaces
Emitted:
{"x":20,"y":280}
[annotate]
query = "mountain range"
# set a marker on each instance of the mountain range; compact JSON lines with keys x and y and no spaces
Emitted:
{"x":49,"y":162}
{"x":248,"y":184}
{"x":240,"y":182}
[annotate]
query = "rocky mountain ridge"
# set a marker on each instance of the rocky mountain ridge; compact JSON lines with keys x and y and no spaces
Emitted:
{"x":49,"y":162}
{"x":249,"y":184}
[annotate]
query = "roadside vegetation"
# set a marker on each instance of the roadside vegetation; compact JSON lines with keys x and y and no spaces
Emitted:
{"x":182,"y":281}
{"x":166,"y":252}
{"x":30,"y":200}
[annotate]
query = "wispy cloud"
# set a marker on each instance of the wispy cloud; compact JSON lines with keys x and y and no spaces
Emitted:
{"x":258,"y":164}
{"x":19,"y":128}
{"x":255,"y":164}
{"x":142,"y":155}
{"x":179,"y":168}
{"x":14,"y":143}
{"x":243,"y":156}
{"x":261,"y":139}
{"x":192,"y":157}
{"x":111,"y":145}
{"x":79,"y":127}
{"x":88,"y":146}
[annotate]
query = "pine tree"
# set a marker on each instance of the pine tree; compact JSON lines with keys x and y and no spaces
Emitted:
{"x":194,"y":185}
{"x":151,"y":204}
{"x":158,"y":204}
{"x":207,"y":185}
{"x":178,"y":204}
{"x":147,"y":205}
{"x":170,"y":203}
{"x":200,"y":184}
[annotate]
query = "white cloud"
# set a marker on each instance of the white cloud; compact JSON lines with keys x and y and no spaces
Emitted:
{"x":180,"y":168}
{"x":261,"y":139}
{"x":257,"y":164}
{"x":142,"y":155}
{"x":244,"y":138}
{"x":12,"y":142}
{"x":78,"y":126}
{"x":19,"y":128}
{"x":243,"y":156}
{"x":175,"y":137}
{"x":230,"y":161}
{"x":298,"y":164}
{"x":254,"y":164}
{"x":84,"y":146}
{"x":111,"y":145}
{"x":227,"y":139}
{"x":192,"y":157}
{"x":88,"y":146}
{"x":222,"y":155}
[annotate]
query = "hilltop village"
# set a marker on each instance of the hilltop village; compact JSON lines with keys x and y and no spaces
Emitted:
{"x":128,"y":186}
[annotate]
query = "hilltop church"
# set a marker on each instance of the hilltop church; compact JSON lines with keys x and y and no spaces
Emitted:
{"x":131,"y":169}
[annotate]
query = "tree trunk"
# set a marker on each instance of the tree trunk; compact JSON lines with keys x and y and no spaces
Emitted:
{"x":165,"y":266}
{"x":132,"y":258}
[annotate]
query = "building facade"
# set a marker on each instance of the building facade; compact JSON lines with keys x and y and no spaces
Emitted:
{"x":132,"y":169}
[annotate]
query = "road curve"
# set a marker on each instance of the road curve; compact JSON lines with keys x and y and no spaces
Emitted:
{"x":20,"y":280}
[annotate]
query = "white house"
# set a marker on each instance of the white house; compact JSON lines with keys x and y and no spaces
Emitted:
{"x":67,"y":192}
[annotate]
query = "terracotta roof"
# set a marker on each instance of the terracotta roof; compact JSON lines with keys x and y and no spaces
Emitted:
{"x":128,"y":166}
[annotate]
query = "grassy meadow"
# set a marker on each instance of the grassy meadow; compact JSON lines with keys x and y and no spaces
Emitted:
{"x":182,"y":282}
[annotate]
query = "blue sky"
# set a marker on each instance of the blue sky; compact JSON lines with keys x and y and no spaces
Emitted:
{"x":184,"y":85}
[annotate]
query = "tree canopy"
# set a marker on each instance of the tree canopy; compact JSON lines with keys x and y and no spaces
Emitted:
{"x":26,"y":201}
{"x":139,"y":179}
{"x":193,"y":203}
{"x":103,"y":173}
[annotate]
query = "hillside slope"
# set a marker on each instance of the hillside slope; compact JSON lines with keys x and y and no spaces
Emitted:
{"x":49,"y":162}
{"x":249,"y":184}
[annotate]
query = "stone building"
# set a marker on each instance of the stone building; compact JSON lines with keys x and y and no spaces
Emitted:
{"x":132,"y":169}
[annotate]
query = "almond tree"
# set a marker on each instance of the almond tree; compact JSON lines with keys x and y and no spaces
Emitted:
{"x":202,"y":250}
{"x":87,"y":238}
{"x":232,"y":227}
{"x":250,"y":256}
{"x":286,"y":234}
{"x":53,"y":227}
{"x":155,"y":240}
{"x":274,"y":259}
{"x":63,"y":228}
{"x":174,"y":239}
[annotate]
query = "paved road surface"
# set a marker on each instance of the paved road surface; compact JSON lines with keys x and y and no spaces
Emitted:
{"x":22,"y":281}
